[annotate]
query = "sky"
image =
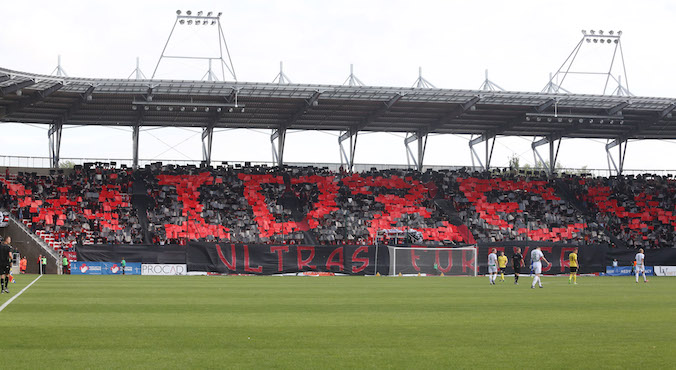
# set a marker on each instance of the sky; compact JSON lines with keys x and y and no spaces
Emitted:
{"x":455,"y":42}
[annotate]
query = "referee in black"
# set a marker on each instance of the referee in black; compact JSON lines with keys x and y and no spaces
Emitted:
{"x":5,"y":263}
{"x":517,"y":263}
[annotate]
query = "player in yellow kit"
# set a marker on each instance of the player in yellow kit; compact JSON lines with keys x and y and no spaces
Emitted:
{"x":502,"y":265}
{"x":572,"y":260}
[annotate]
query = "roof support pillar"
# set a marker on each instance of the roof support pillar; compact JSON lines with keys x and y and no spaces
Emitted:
{"x":54,"y":135}
{"x":136,"y":130}
{"x":621,"y":143}
{"x":207,"y":140}
{"x":550,"y":165}
{"x":489,"y":138}
{"x":351,"y":134}
{"x":421,"y":138}
{"x":278,"y":150}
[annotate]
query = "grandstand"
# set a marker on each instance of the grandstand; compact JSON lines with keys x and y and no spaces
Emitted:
{"x":159,"y":204}
{"x":105,"y":203}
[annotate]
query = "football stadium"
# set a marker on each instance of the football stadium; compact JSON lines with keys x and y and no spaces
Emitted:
{"x":216,"y":261}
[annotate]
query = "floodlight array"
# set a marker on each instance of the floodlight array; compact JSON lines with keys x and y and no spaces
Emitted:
{"x":601,"y":37}
{"x":192,"y":106}
{"x":573,"y":118}
{"x":199,"y":19}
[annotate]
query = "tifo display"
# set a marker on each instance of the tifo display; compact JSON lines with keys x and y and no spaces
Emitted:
{"x":173,"y":205}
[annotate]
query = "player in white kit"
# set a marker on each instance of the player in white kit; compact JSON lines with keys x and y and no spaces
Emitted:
{"x":492,"y":266}
{"x":640,"y":265}
{"x":536,"y":257}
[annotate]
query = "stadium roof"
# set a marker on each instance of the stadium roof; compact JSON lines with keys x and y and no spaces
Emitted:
{"x":42,"y":99}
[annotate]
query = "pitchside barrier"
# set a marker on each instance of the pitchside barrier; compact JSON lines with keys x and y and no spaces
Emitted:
{"x":132,"y":268}
{"x":104,"y":268}
{"x":626,"y":271}
{"x":259,"y":259}
{"x":665,"y":270}
{"x":157,"y":269}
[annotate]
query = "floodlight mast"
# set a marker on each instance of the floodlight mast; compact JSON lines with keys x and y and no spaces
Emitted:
{"x":610,"y":37}
{"x":188,"y":19}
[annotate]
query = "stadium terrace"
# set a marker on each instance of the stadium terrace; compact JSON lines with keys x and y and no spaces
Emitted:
{"x":168,"y":204}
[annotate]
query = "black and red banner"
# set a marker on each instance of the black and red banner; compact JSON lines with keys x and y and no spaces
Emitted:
{"x":144,"y":253}
{"x":261,"y":259}
{"x":361,"y":260}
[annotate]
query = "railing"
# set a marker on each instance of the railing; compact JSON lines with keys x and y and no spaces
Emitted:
{"x":44,"y":162}
{"x":45,"y":247}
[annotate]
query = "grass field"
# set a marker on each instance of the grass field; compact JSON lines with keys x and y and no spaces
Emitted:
{"x":338,"y":322}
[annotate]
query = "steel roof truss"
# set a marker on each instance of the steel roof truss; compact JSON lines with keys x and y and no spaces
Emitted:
{"x":308,"y":104}
{"x":665,"y":112}
{"x":33,"y":98}
{"x":454,"y":113}
{"x":542,"y":107}
{"x":617,"y":109}
{"x":379,"y":112}
{"x":15,"y":87}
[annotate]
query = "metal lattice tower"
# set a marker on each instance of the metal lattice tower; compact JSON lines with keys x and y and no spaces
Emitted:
{"x":593,"y":37}
{"x":489,"y":85}
{"x":137,"y":73}
{"x":188,"y":19}
{"x":352,"y":80}
{"x":421,"y":82}
{"x":281,"y":77}
{"x":620,"y":90}
{"x":59,"y":71}
{"x":553,"y":87}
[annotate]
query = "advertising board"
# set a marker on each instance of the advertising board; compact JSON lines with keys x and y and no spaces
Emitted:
{"x":665,"y":270}
{"x":104,"y":268}
{"x":625,"y":271}
{"x":163,"y":269}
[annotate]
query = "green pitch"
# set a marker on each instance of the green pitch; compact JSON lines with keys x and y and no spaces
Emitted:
{"x":338,"y":322}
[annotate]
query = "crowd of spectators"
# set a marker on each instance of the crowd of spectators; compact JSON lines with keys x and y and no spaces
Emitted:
{"x":314,"y":205}
{"x":221,"y":199}
{"x":537,"y":207}
{"x":638,"y":210}
{"x":85,"y":206}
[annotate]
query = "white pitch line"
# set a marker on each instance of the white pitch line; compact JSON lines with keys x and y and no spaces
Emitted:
{"x":17,"y":296}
